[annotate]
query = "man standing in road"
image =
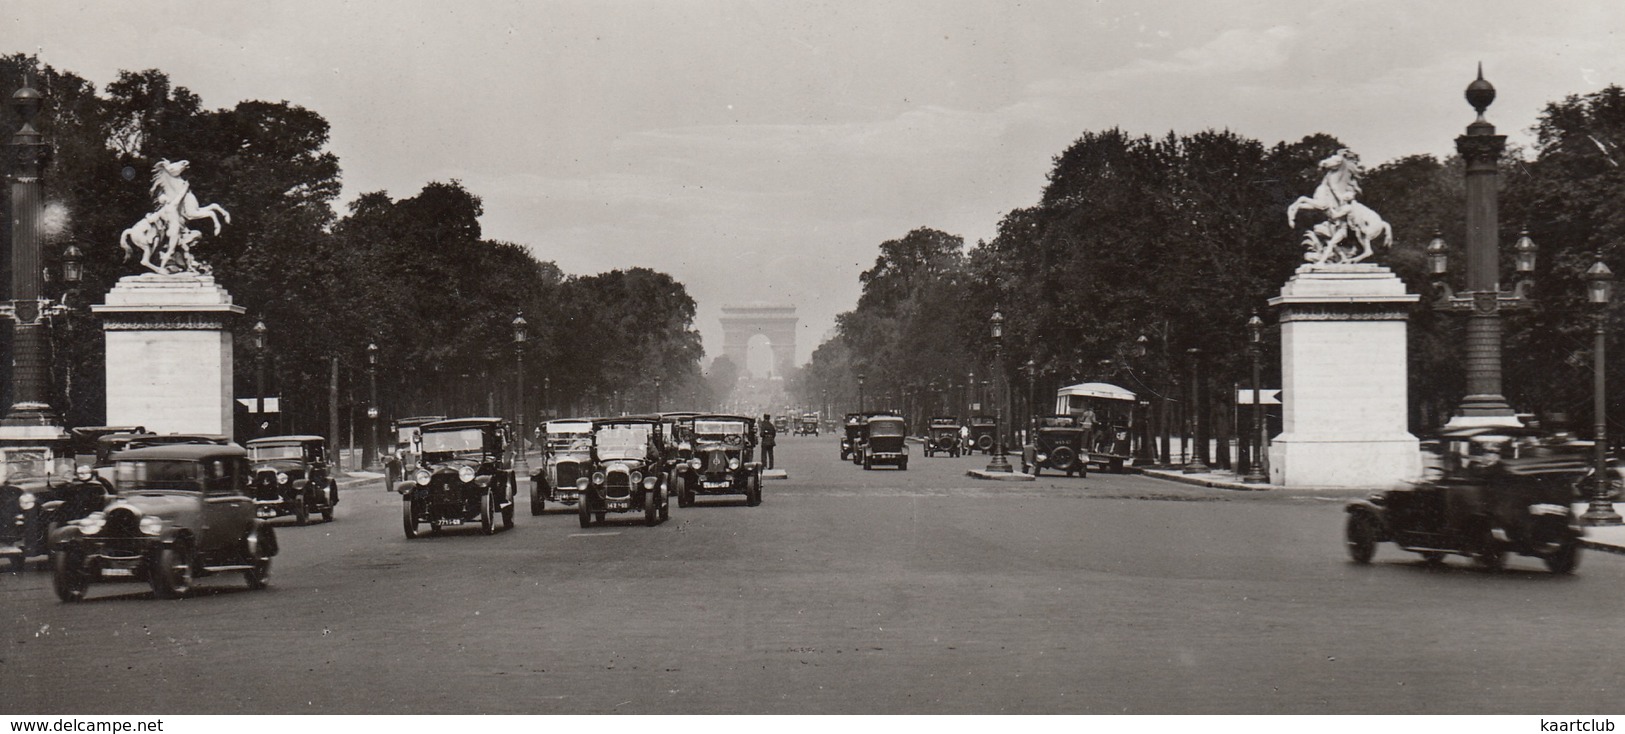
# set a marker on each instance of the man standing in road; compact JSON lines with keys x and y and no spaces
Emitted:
{"x":769,"y":437}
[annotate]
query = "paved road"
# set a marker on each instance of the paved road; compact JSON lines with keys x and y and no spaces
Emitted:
{"x":846,"y":591}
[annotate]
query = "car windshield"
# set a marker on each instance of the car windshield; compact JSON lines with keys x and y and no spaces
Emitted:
{"x":403,"y":436}
{"x":158,"y":474}
{"x":718,"y":429}
{"x":623,"y":441}
{"x":886,"y":428}
{"x":569,"y":437}
{"x":276,"y":451}
{"x":461,"y":441}
{"x":33,"y":463}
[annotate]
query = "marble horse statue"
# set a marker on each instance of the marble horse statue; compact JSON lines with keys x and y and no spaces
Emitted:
{"x":1336,"y":196}
{"x":166,"y":226}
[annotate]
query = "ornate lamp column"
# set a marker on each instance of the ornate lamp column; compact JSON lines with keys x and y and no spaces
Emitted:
{"x":259,"y":378}
{"x":1198,"y":450}
{"x":372,"y":405}
{"x":1483,"y":300}
{"x":1255,"y":466}
{"x":1599,"y":291}
{"x":1002,"y":414}
{"x":519,"y":336}
{"x":30,"y":417}
{"x":860,"y":392}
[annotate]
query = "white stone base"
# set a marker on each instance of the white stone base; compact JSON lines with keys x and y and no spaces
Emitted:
{"x":169,"y":354}
{"x":1345,"y":462}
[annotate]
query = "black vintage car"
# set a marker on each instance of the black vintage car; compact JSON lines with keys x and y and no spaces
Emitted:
{"x":1496,"y":490}
{"x":808,"y":426}
{"x":180,"y":512}
{"x":984,"y":434}
{"x":86,"y":440}
{"x":403,"y":456}
{"x":291,"y":476}
{"x":628,"y":471}
{"x":723,"y":460}
{"x":464,"y":476}
{"x":855,"y":424}
{"x":943,"y":436}
{"x":886,"y":443}
{"x":31,"y":477}
{"x":1058,"y":443}
{"x":566,"y":457}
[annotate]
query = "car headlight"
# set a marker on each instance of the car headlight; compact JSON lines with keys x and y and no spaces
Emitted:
{"x":281,"y":477}
{"x":83,"y":472}
{"x":150,"y":525}
{"x":637,"y":477}
{"x":694,"y":463}
{"x":581,"y":484}
{"x":650,"y":482}
{"x":26,"y":501}
{"x":466,"y":474}
{"x":92,"y":523}
{"x":733,"y":463}
{"x":597,"y":477}
{"x":422,"y":477}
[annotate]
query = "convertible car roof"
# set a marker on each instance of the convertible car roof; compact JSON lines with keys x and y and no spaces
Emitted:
{"x":1096,"y":390}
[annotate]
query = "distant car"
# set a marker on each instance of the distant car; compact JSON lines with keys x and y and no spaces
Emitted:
{"x":1496,"y":490}
{"x":855,"y":424}
{"x":30,"y":479}
{"x":403,"y":456}
{"x":984,"y":434}
{"x":291,"y":476}
{"x":723,"y":460}
{"x":886,"y":443}
{"x":566,"y":457}
{"x":464,"y":476}
{"x":87,"y":438}
{"x":627,"y":471}
{"x":808,"y":426}
{"x":943,"y":436}
{"x":1058,"y":443}
{"x":181,"y":512}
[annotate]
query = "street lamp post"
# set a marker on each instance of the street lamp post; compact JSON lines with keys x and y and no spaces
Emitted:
{"x":860,"y":392}
{"x":1001,"y":418}
{"x":1599,"y":291}
{"x":372,"y":405}
{"x":519,"y":337}
{"x":1255,"y":467}
{"x":1145,"y":454}
{"x":259,"y":378}
{"x":657,"y":393}
{"x":1196,"y":465}
{"x":1031,"y":368}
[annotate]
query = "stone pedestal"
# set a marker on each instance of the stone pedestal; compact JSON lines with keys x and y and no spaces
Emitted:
{"x":169,"y":351}
{"x":1344,"y":379}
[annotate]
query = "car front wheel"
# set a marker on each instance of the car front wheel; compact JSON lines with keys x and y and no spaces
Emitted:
{"x":488,"y":515}
{"x":507,"y":512}
{"x":172,"y":571}
{"x":1564,"y":559}
{"x":1361,"y":537}
{"x":68,"y":576}
{"x":584,"y":508}
{"x":537,"y":504}
{"x":301,"y":508}
{"x":409,"y":519}
{"x":259,"y":558}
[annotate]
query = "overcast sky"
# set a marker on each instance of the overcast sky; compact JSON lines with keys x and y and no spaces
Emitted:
{"x":761,"y":151}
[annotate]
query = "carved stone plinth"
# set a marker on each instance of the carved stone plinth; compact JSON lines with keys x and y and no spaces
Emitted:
{"x":1344,"y":379}
{"x":169,"y":352}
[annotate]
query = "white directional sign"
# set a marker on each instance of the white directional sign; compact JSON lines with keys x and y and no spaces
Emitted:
{"x":1244,"y":396}
{"x":272,"y":405}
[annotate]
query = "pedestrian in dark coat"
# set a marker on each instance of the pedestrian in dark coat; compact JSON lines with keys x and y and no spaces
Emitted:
{"x":769,"y":437}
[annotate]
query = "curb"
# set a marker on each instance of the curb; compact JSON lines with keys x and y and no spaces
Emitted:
{"x":999,"y":476}
{"x":775,"y":474}
{"x":1199,"y":481}
{"x":1602,"y":547}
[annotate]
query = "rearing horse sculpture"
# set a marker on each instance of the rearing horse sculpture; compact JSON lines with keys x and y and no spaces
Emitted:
{"x":1336,"y":197}
{"x":177,"y":205}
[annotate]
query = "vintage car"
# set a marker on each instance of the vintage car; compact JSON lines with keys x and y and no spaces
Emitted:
{"x":855,"y":425}
{"x":566,"y":457}
{"x":87,"y":439}
{"x":723,"y":460}
{"x":984,"y":434}
{"x":628,"y":471}
{"x":782,"y":424}
{"x":463,"y":476}
{"x":180,"y":512}
{"x":1497,"y":490}
{"x":1106,"y":413}
{"x":1058,"y":443}
{"x":31,"y":477}
{"x":808,"y":425}
{"x":291,"y":476}
{"x":943,"y":436}
{"x":885,"y":442}
{"x":403,"y":456}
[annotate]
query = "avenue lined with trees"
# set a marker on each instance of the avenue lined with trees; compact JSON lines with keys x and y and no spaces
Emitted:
{"x":1180,"y":239}
{"x":412,"y":274}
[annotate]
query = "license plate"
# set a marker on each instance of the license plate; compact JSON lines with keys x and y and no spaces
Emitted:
{"x":451,"y":522}
{"x":715,"y":485}
{"x":117,"y":572}
{"x":265,"y":512}
{"x":621,"y":505}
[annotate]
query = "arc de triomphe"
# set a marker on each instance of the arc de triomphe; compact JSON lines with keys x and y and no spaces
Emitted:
{"x":776,"y":322}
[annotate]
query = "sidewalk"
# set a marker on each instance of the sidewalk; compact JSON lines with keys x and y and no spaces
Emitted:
{"x":1603,"y":539}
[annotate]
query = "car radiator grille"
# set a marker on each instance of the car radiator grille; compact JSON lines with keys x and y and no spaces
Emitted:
{"x":618,"y":485}
{"x":121,"y":523}
{"x":568,"y":473}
